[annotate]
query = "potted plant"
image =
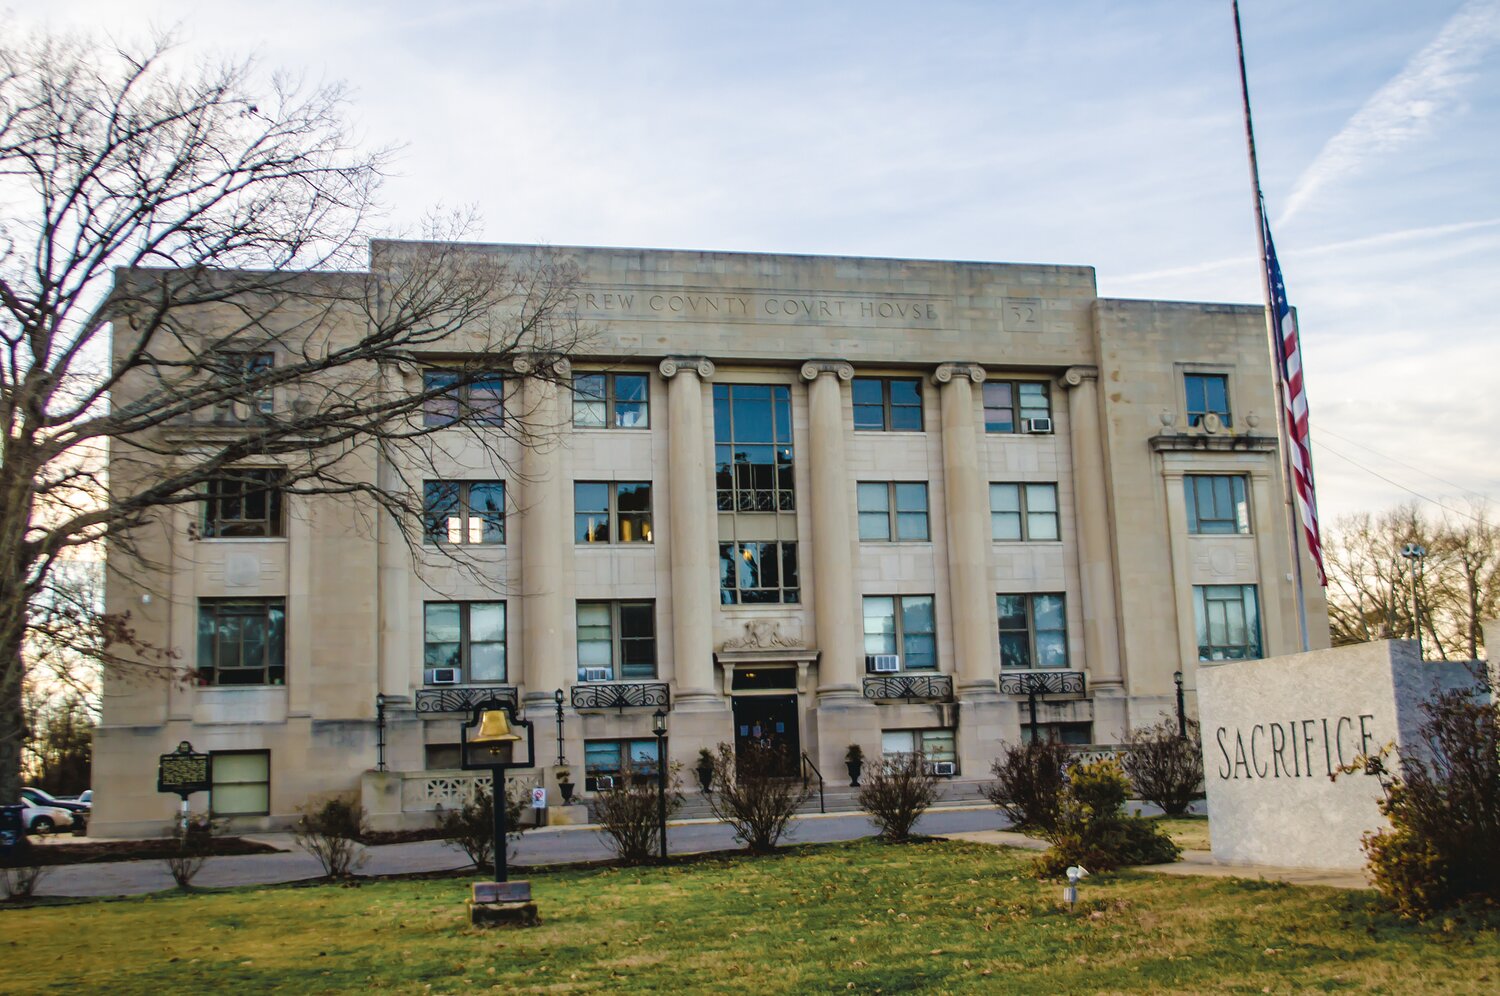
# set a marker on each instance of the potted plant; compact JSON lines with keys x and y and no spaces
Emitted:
{"x":854,"y":760}
{"x":565,"y":784}
{"x":705,"y":769}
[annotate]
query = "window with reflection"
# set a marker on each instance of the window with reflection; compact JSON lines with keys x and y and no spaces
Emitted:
{"x":887,"y":404}
{"x":905,"y":625}
{"x":753,"y":448}
{"x":611,"y":401}
{"x":758,"y":573}
{"x":458,"y":396}
{"x":1010,"y":405}
{"x":1033,"y":630}
{"x":1207,"y":394}
{"x":1216,"y":504}
{"x":463,"y":512}
{"x":469,"y":636}
{"x":611,"y":512}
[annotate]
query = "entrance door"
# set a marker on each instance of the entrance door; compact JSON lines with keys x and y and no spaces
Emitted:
{"x":770,"y":721}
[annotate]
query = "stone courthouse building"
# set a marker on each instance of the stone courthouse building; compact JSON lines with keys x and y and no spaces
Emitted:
{"x":808,"y":501}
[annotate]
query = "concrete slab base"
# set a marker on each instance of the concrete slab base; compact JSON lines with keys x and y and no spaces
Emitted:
{"x":502,"y":914}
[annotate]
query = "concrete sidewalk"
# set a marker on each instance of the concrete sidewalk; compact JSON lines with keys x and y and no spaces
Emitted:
{"x":1192,"y":863}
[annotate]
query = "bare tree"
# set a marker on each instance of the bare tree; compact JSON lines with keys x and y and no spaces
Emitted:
{"x":183,"y":287}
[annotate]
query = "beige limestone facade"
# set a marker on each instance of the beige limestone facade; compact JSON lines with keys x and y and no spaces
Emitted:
{"x":891,"y":503}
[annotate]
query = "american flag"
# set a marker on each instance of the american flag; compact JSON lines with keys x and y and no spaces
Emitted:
{"x":1289,"y":355}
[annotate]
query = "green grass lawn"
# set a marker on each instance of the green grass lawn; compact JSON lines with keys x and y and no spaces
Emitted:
{"x":1190,"y":832}
{"x":866,"y":917}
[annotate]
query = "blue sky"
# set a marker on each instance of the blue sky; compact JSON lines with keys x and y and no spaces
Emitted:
{"x":1106,"y":134}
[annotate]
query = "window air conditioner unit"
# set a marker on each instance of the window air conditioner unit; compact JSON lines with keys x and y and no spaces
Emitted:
{"x":944,"y":768}
{"x":1039,"y":425}
{"x":596,"y":674}
{"x":882,"y":663}
{"x":442,"y":676}
{"x":604,"y":782}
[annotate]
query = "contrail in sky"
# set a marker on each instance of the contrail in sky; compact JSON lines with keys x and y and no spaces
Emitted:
{"x":1405,"y":108}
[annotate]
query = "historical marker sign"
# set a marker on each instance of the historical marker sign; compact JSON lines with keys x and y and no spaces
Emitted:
{"x":184,"y":771}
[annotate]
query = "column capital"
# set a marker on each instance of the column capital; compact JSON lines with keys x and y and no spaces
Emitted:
{"x":1075,"y":376}
{"x":541,"y":363}
{"x":947,"y":371}
{"x":842,"y":369}
{"x":672,"y":364}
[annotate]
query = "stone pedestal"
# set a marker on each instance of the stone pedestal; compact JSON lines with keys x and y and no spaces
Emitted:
{"x":502,"y":904}
{"x":380,"y":795}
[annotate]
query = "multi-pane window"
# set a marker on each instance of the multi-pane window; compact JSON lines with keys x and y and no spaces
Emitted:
{"x":616,"y":640}
{"x":755,"y":573}
{"x":478,"y":398}
{"x":753,"y":447}
{"x":238,"y":369}
{"x":905,"y":625}
{"x":468,"y":636}
{"x":463,"y":511}
{"x":605,"y":761}
{"x":933,"y":745}
{"x":241,"y":783}
{"x":1023,"y":512}
{"x":1216,"y":503}
{"x":1207,"y":394}
{"x":611,"y":401}
{"x":241,"y":641}
{"x":1073,"y":734}
{"x":893,"y":510}
{"x":1228,"y":617}
{"x":1033,"y":631}
{"x":1010,"y":405}
{"x":611,"y":512}
{"x":243,"y":503}
{"x":890,"y":405}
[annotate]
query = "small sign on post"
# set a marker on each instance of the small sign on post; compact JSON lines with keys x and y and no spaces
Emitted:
{"x":538,"y":798}
{"x":183,"y":772}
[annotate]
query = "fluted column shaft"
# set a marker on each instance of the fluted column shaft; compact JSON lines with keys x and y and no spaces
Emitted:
{"x":970,"y":593}
{"x":1101,"y":635}
{"x":544,"y":554}
{"x":690,"y":501}
{"x":833,"y":571}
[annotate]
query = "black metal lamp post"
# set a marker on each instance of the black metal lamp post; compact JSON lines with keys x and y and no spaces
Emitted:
{"x":492,"y":745}
{"x":659,"y":727}
{"x":557,"y":697}
{"x":1181,"y":714}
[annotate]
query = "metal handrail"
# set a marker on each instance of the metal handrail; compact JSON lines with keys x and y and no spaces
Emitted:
{"x":808,"y":763}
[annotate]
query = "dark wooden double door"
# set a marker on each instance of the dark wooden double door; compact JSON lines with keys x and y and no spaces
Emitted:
{"x":769,"y":721}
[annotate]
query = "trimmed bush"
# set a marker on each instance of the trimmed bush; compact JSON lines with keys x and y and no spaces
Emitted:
{"x":627,"y":813}
{"x":1164,"y":768}
{"x":1444,"y":808}
{"x":751,"y":794}
{"x":331,"y":832}
{"x":19,"y":872}
{"x":471,"y":827}
{"x":896,"y":794}
{"x":193,"y":844}
{"x":1028,"y":783}
{"x":1092,"y":829}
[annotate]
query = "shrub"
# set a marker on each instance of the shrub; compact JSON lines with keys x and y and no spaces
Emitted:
{"x":1028,"y":783}
{"x":1092,"y":829}
{"x":192,"y":844}
{"x":628,"y":816}
{"x":1444,"y":809}
{"x":1164,"y":768}
{"x":897,"y":793}
{"x":471,"y":827}
{"x":753,"y":795}
{"x":331,"y":833}
{"x":19,"y":873}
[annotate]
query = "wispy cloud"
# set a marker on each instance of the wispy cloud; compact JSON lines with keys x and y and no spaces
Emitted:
{"x":1405,"y":108}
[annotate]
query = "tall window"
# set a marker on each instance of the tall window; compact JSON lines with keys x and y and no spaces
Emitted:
{"x":611,"y":401}
{"x":611,"y":512}
{"x":905,"y":625}
{"x":1033,"y":631}
{"x":893,"y":510}
{"x":469,"y":636}
{"x":753,"y":447}
{"x":616,"y":640}
{"x":755,"y":573}
{"x":241,"y":783}
{"x":1228,"y":617}
{"x":481,"y":399}
{"x":463,"y":511}
{"x":1207,"y":394}
{"x":243,"y":503}
{"x":933,"y":745}
{"x":1216,"y":503}
{"x":1023,"y":512}
{"x":241,"y":641}
{"x":1010,"y":405}
{"x":893,"y":405}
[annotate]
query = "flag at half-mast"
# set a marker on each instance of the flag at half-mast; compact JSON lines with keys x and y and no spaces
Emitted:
{"x":1294,"y":393}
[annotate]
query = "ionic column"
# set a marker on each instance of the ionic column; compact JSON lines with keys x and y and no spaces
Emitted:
{"x":1101,"y":635}
{"x":693,"y":548}
{"x":971,"y":598}
{"x":545,"y":556}
{"x":837,"y":628}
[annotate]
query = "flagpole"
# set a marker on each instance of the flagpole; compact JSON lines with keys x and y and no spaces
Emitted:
{"x":1274,"y":338}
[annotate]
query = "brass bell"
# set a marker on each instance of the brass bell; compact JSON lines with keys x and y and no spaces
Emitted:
{"x":494,"y":730}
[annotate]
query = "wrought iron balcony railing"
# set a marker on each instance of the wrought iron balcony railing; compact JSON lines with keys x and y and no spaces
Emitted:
{"x":462,"y":698}
{"x":911,"y":687}
{"x":1042,"y":682}
{"x":622,"y":695}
